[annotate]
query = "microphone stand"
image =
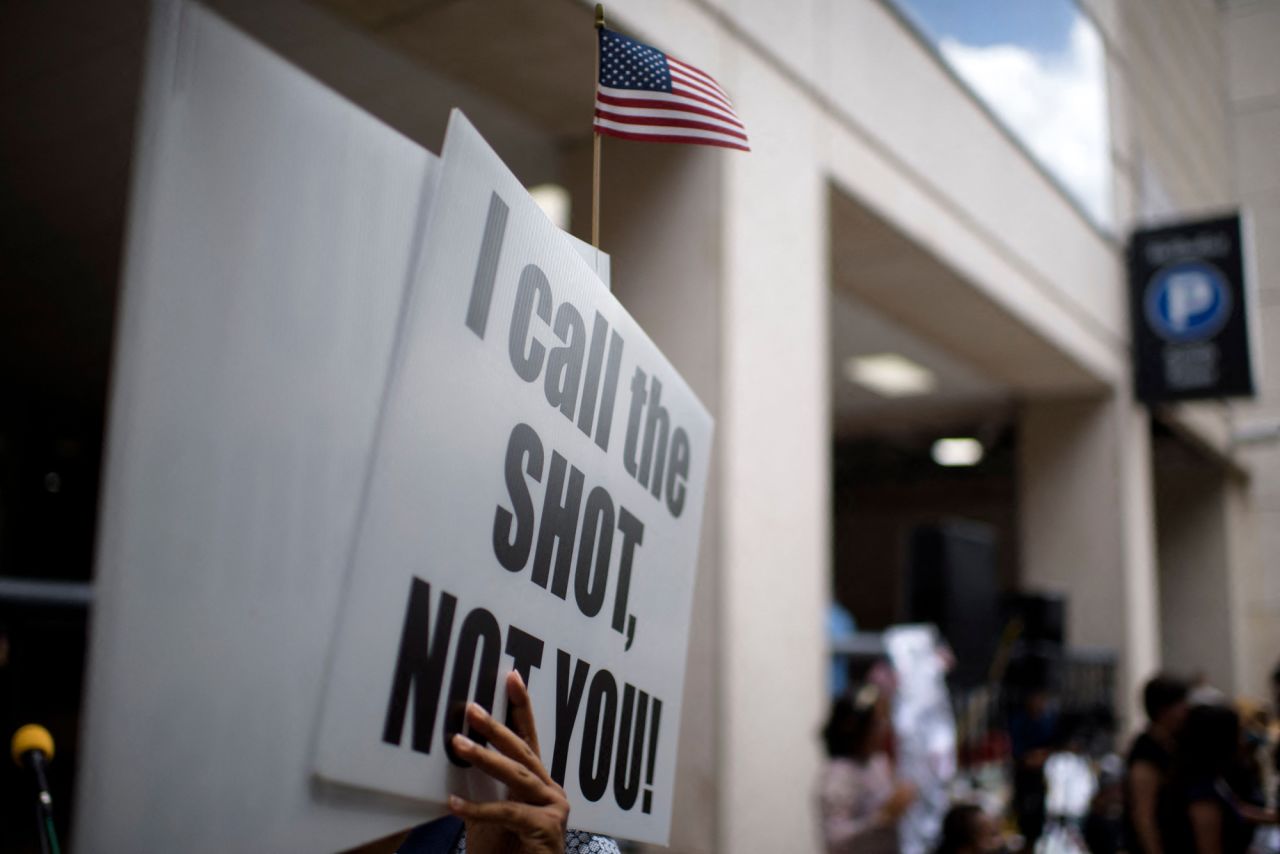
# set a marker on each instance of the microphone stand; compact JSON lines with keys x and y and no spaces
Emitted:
{"x":44,"y":805}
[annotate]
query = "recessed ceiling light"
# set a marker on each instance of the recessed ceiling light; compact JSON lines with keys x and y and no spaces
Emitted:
{"x":554,"y":201}
{"x":957,"y":451}
{"x":890,"y":375}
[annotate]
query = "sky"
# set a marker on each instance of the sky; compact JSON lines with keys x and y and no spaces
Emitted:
{"x":1042,"y":26}
{"x":1040,"y":66}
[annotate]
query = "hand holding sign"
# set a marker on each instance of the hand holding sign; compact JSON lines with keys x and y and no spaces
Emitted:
{"x":534,"y":816}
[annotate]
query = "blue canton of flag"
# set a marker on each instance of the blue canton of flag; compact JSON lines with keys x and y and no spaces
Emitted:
{"x":644,"y":94}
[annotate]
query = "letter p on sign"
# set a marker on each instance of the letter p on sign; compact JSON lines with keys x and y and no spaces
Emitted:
{"x":1191,"y":294}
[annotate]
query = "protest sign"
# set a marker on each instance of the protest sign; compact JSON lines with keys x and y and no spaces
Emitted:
{"x":534,"y":504}
{"x":274,"y":228}
{"x":925,"y":729}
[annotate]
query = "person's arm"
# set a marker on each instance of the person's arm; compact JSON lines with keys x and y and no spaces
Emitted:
{"x":1256,"y":814}
{"x":1206,"y":826}
{"x":1251,"y":813}
{"x":841,"y":828}
{"x":1144,"y":789}
{"x":904,"y":795}
{"x":840,"y":825}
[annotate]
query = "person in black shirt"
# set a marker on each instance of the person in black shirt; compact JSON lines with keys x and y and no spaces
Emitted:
{"x":1199,"y":811}
{"x":1150,"y":759}
{"x":1033,"y":734}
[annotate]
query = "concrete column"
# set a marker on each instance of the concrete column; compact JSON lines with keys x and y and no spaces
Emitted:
{"x":660,"y":221}
{"x":1087,"y":528}
{"x":1251,"y":33}
{"x":1239,"y":567}
{"x":775,"y":436}
{"x":1198,"y":509}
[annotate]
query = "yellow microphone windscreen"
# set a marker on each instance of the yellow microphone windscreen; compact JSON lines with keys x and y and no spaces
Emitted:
{"x":31,"y":737}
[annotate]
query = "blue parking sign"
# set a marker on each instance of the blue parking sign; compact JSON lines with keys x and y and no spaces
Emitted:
{"x":1188,"y":301}
{"x":1187,"y":294}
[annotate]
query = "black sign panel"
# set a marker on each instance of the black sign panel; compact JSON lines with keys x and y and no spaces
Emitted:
{"x":1187,"y":307}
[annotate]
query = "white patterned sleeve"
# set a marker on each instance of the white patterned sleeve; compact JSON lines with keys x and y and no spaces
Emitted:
{"x":581,"y":842}
{"x":575,"y":842}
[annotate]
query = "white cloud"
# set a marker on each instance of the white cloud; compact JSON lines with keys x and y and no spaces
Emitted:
{"x":1057,"y":105}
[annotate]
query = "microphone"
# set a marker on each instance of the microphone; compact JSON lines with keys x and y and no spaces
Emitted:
{"x":32,"y":747}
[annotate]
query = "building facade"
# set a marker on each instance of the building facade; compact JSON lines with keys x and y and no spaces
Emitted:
{"x":887,"y":205}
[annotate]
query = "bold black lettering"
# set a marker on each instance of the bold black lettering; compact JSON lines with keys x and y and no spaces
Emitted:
{"x":526,"y":653}
{"x":633,"y":423}
{"x":533,"y":284}
{"x":632,"y":535}
{"x":513,"y":551}
{"x":559,"y":526}
{"x":591,"y":386}
{"x":495,"y":229}
{"x":626,"y":769}
{"x":597,"y":736}
{"x":564,"y":364}
{"x":479,"y":651}
{"x":657,"y":418}
{"x":420,"y":664}
{"x":568,"y":699}
{"x":589,"y":588}
{"x":653,"y":754}
{"x":604,"y":425}
{"x":679,"y":471}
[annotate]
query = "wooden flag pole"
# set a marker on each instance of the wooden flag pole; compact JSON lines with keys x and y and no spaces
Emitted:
{"x":595,"y":161}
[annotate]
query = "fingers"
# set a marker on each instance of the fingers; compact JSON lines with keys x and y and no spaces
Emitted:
{"x":506,"y":742}
{"x":536,"y":810}
{"x":520,"y":711}
{"x":523,"y":819}
{"x":523,"y":782}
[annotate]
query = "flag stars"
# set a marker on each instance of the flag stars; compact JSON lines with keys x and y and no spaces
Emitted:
{"x":627,"y":64}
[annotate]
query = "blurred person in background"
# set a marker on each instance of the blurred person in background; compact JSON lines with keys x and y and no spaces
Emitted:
{"x":1275,"y":735}
{"x":967,"y":829}
{"x":1070,"y":784}
{"x":1248,"y":779}
{"x":1199,"y":812}
{"x":1104,"y":827}
{"x":859,"y":799}
{"x":1033,"y":734}
{"x":1150,"y":759}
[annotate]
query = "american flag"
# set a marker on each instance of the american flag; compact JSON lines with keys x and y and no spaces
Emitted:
{"x":644,"y":94}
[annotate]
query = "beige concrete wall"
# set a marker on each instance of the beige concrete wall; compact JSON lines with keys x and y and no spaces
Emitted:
{"x":1172,"y":85}
{"x":1252,"y":31}
{"x":1087,"y":528}
{"x":379,"y":78}
{"x":1199,"y":614}
{"x":1171,"y":134}
{"x":833,"y":91}
{"x":1191,"y":82}
{"x":843,"y":94}
{"x":661,"y":225}
{"x":899,"y":132}
{"x":771,"y":495}
{"x":775,"y":475}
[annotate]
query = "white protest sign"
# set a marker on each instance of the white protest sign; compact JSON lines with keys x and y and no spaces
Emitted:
{"x":535,"y":504}
{"x":273,"y":232}
{"x":926,"y":732}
